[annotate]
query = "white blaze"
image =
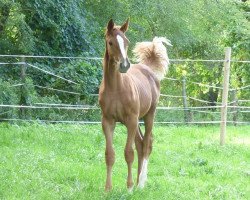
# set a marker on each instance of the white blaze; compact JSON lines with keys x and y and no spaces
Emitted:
{"x":122,"y":47}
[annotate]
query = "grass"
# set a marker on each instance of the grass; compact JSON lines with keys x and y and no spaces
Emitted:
{"x":67,"y":162}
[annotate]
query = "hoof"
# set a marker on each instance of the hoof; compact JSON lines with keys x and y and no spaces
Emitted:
{"x":130,"y":190}
{"x":108,"y":188}
{"x":142,"y":181}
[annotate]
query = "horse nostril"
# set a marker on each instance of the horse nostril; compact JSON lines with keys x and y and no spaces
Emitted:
{"x":128,"y":64}
{"x":125,"y":63}
{"x":124,"y":66}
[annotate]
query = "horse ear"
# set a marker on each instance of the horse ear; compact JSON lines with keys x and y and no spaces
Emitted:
{"x":124,"y":27}
{"x":110,"y":25}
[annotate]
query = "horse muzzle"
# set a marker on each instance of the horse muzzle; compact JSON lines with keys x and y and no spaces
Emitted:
{"x":124,"y":66}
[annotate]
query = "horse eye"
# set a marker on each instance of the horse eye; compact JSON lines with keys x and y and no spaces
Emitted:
{"x":110,"y":43}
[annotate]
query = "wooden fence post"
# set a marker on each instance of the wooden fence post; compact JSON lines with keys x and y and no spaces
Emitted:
{"x":225,"y":95}
{"x":235,"y":109}
{"x":23,"y":89}
{"x":185,"y":104}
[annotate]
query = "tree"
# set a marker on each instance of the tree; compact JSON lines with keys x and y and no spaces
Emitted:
{"x":52,"y":28}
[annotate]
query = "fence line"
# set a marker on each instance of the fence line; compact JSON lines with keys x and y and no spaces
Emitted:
{"x":99,"y":122}
{"x":243,"y":100}
{"x":75,"y":107}
{"x":239,"y":107}
{"x":174,"y":96}
{"x":162,"y":95}
{"x":53,"y":57}
{"x":172,"y":79}
{"x":210,"y":86}
{"x":62,"y":104}
{"x":70,"y":81}
{"x":245,"y":111}
{"x":201,"y":60}
{"x":53,"y":89}
{"x":5,"y":112}
{"x":213,"y":112}
{"x":89,"y":107}
{"x":233,"y":102}
{"x":187,"y":108}
{"x":16,"y":85}
{"x":233,"y":105}
{"x":50,"y":73}
{"x":48,"y":88}
{"x":202,"y":84}
{"x":53,"y":121}
{"x":100,"y":58}
{"x":49,"y":107}
{"x":16,"y":63}
{"x":200,"y":100}
{"x":244,"y":87}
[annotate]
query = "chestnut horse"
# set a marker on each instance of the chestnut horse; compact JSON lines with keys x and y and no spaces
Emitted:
{"x":129,"y":93}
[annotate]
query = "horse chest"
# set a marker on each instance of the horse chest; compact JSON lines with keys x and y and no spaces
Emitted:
{"x":116,"y":106}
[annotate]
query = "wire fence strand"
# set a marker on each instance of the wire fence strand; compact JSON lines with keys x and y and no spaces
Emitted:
{"x":100,"y":58}
{"x":99,"y":122}
{"x":51,"y":107}
{"x":57,"y":90}
{"x":50,"y":73}
{"x":15,"y":63}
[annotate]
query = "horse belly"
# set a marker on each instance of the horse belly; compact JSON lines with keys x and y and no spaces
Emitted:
{"x":148,"y":101}
{"x":144,"y":108}
{"x":145,"y":99}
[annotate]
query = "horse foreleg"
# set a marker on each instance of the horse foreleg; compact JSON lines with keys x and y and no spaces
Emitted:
{"x":147,"y":148}
{"x":139,"y":148}
{"x":108,"y":130}
{"x":129,"y":151}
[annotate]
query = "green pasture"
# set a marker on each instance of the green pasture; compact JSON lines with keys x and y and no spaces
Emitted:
{"x":67,"y":162}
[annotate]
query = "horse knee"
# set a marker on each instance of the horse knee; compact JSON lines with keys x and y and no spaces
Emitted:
{"x":129,"y":155}
{"x":110,"y":156}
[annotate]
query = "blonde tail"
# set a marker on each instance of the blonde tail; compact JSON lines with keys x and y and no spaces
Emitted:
{"x":154,"y":54}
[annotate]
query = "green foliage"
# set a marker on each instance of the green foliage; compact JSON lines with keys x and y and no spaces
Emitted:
{"x":86,"y":74}
{"x":48,"y":28}
{"x":8,"y":95}
{"x":15,"y":34}
{"x":197,"y":29}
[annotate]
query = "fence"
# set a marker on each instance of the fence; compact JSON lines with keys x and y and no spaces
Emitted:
{"x":188,"y":112}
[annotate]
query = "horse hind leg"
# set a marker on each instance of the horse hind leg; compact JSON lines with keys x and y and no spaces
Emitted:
{"x":139,"y":148}
{"x":147,"y":148}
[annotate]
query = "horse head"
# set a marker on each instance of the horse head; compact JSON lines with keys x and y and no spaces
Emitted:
{"x":117,"y":45}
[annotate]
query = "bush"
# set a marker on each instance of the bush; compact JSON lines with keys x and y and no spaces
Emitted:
{"x":8,"y":96}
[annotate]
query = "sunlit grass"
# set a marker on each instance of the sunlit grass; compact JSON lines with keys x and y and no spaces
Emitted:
{"x":67,"y":162}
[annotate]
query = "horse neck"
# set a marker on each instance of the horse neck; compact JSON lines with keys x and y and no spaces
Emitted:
{"x":112,"y":77}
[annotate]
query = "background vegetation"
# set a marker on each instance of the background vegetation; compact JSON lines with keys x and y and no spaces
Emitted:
{"x":197,"y":30}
